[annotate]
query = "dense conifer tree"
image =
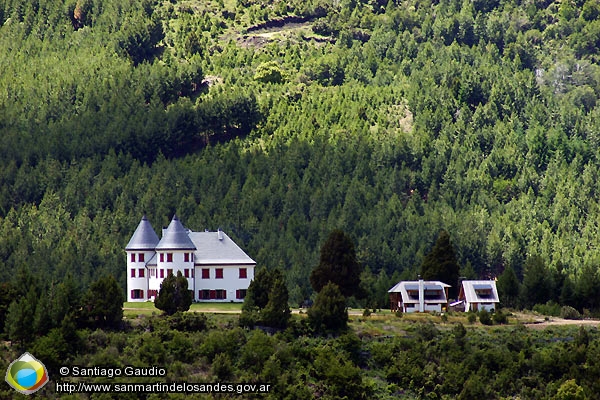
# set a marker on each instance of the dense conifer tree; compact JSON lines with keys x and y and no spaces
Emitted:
{"x":441,"y":264}
{"x":266,"y":302}
{"x":508,"y":286}
{"x":338,"y":265}
{"x":328,"y":314}
{"x":103,"y":303}
{"x":174,"y":295}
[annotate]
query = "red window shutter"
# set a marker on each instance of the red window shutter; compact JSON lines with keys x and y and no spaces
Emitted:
{"x":169,"y":257}
{"x":141,"y":294}
{"x":141,"y":257}
{"x":192,"y":272}
{"x":141,"y":273}
{"x":169,"y":271}
{"x":205,"y":273}
{"x":243,"y":273}
{"x":133,"y":294}
{"x":213,"y":294}
{"x":219,"y":273}
{"x":133,"y":272}
{"x":162,"y":273}
{"x":162,"y":257}
{"x":224,"y":294}
{"x":186,"y":257}
{"x":132,"y":257}
{"x":186,"y":273}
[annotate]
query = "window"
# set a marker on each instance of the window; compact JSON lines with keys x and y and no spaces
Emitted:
{"x":186,"y":273}
{"x":219,"y":273}
{"x":162,"y":273}
{"x":132,"y":257}
{"x":169,"y":271}
{"x":152,"y":272}
{"x":186,"y":257}
{"x":205,"y":273}
{"x":221,"y":294}
{"x":243,"y":273}
{"x":240,"y":293}
{"x":133,"y":272}
{"x":169,"y":257}
{"x":204,"y":294}
{"x":141,"y":273}
{"x":152,"y":293}
{"x":141,"y":257}
{"x":162,"y":257}
{"x":137,"y":294}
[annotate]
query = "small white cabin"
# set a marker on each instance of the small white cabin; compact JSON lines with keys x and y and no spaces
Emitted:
{"x":419,"y":296}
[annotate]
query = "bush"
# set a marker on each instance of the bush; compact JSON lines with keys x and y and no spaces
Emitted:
{"x":550,"y":308}
{"x":471,"y":317}
{"x":568,"y":312}
{"x":500,"y":318}
{"x":484,"y":317}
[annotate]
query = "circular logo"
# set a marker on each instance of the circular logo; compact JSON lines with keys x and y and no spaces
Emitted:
{"x":26,"y":374}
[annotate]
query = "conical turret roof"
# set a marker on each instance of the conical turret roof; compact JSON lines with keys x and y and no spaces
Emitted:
{"x":144,"y":237}
{"x":175,"y":237}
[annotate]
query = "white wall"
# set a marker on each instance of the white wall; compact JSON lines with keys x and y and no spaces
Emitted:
{"x":230,"y":282}
{"x":137,"y":282}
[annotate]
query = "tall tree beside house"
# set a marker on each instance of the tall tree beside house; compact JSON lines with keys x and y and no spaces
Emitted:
{"x":266,"y":302}
{"x":173,"y":295}
{"x":338,"y":265}
{"x":441,"y":264}
{"x":508,"y":287}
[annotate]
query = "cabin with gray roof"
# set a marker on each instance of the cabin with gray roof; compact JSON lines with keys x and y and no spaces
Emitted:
{"x":419,"y":296}
{"x":217,"y":269}
{"x":479,"y":295}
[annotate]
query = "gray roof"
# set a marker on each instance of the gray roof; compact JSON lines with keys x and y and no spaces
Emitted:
{"x":144,"y":237}
{"x":404,"y":287}
{"x":479,"y":292}
{"x":211,"y":250}
{"x":175,"y":237}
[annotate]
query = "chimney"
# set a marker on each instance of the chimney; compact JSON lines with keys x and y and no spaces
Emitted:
{"x":421,"y":294}
{"x":220,"y":234}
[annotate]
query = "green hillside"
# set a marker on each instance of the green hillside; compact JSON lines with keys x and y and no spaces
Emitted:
{"x":280,"y":121}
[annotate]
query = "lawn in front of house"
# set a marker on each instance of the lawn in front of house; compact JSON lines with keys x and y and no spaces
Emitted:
{"x":133,"y":309}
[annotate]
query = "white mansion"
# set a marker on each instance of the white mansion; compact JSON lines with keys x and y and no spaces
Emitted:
{"x":216,"y":268}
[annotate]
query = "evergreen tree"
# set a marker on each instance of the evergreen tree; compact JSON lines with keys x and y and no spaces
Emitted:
{"x":338,"y":265}
{"x":19,"y":323}
{"x":103,"y":303}
{"x":441,"y":264}
{"x":329,"y":314}
{"x":537,"y":283}
{"x":276,"y":313}
{"x":266,"y":301}
{"x":508,"y":286}
{"x":174,"y":295}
